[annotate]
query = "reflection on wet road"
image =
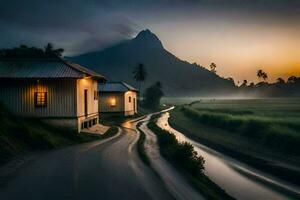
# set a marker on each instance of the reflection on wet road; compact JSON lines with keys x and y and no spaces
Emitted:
{"x":226,"y":172}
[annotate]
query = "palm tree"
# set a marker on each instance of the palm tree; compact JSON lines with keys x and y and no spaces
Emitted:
{"x":265,"y":76}
{"x":213,"y":67}
{"x":140,"y":75}
{"x":262,"y":75}
{"x":259,"y":74}
{"x":244,"y":84}
{"x":51,"y":52}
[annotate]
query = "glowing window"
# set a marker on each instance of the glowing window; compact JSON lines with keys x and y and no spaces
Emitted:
{"x":40,"y":99}
{"x":113,"y":102}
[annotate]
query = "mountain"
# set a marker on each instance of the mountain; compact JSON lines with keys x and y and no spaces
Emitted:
{"x":179,"y":78}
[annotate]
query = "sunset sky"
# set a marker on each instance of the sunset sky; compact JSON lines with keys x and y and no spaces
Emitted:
{"x":240,"y":36}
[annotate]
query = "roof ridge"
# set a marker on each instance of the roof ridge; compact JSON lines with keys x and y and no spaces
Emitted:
{"x":37,"y":69}
{"x":66,"y":62}
{"x":124,"y":84}
{"x":82,"y":69}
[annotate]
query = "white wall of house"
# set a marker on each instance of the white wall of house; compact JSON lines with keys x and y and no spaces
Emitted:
{"x":122,"y":104}
{"x":92,"y":100}
{"x":130,"y":103}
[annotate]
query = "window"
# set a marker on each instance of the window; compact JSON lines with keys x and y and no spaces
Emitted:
{"x":40,"y":99}
{"x":113,"y":102}
{"x":129,"y":99}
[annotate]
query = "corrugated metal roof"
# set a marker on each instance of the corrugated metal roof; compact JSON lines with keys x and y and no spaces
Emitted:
{"x":115,"y":87}
{"x":84,"y":70}
{"x":43,"y":69}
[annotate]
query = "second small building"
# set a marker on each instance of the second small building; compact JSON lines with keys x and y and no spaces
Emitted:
{"x":117,"y":98}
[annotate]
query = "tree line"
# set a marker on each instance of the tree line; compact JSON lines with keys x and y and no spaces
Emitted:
{"x":23,"y":51}
{"x":262,"y":77}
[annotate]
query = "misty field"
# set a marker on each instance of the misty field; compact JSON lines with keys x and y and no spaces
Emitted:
{"x":264,"y":133}
{"x":260,"y":125}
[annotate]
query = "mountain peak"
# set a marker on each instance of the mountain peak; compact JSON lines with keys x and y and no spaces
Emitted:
{"x":147,"y":37}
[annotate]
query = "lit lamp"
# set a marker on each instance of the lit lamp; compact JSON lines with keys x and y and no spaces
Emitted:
{"x":113,"y":102}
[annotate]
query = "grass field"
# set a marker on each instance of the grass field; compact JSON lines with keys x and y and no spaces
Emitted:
{"x":257,"y":131}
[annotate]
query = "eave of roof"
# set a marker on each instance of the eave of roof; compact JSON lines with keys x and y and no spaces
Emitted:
{"x":115,"y":87}
{"x":44,"y":68}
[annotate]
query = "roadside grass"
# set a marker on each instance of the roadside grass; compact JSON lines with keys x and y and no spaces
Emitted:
{"x":19,"y":135}
{"x":185,"y":159}
{"x":141,"y":148}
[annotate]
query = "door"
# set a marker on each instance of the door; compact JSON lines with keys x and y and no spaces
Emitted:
{"x":86,"y":102}
{"x":134,"y":105}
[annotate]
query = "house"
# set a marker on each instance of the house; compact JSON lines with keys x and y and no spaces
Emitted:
{"x":117,"y":98}
{"x":54,"y":90}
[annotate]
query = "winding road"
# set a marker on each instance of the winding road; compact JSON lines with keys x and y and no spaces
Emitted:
{"x":111,"y":169}
{"x":106,"y":169}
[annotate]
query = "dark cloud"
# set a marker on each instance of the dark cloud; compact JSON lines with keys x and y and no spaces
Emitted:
{"x":82,"y":25}
{"x":75,"y":25}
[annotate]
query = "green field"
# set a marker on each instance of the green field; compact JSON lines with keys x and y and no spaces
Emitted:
{"x":262,"y":132}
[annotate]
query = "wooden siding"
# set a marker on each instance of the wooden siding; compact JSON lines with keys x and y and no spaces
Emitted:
{"x":18,"y":96}
{"x":104,"y":102}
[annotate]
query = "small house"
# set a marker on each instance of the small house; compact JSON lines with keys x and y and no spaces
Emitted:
{"x":117,"y":98}
{"x":53,"y":90}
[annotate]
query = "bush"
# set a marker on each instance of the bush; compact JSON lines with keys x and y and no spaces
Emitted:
{"x":182,"y":154}
{"x":184,"y":157}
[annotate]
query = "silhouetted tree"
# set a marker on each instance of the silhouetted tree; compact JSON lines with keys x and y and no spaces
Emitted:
{"x":265,"y":76}
{"x":259,"y":74}
{"x":262,"y":75}
{"x":244,"y":84}
{"x":51,"y":52}
{"x":140,"y":74}
{"x":280,"y":80}
{"x":292,"y":79}
{"x":24,"y":51}
{"x":213,"y":67}
{"x":153,"y":96}
{"x":23,"y":46}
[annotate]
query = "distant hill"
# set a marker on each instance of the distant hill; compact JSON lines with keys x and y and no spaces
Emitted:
{"x":178,"y":77}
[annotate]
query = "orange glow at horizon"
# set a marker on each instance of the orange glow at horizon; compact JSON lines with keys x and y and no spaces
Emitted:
{"x":238,"y":49}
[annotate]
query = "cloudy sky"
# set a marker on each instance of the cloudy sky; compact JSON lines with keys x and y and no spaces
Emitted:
{"x":240,"y":36}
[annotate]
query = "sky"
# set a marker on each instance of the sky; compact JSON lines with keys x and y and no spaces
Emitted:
{"x":240,"y":36}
